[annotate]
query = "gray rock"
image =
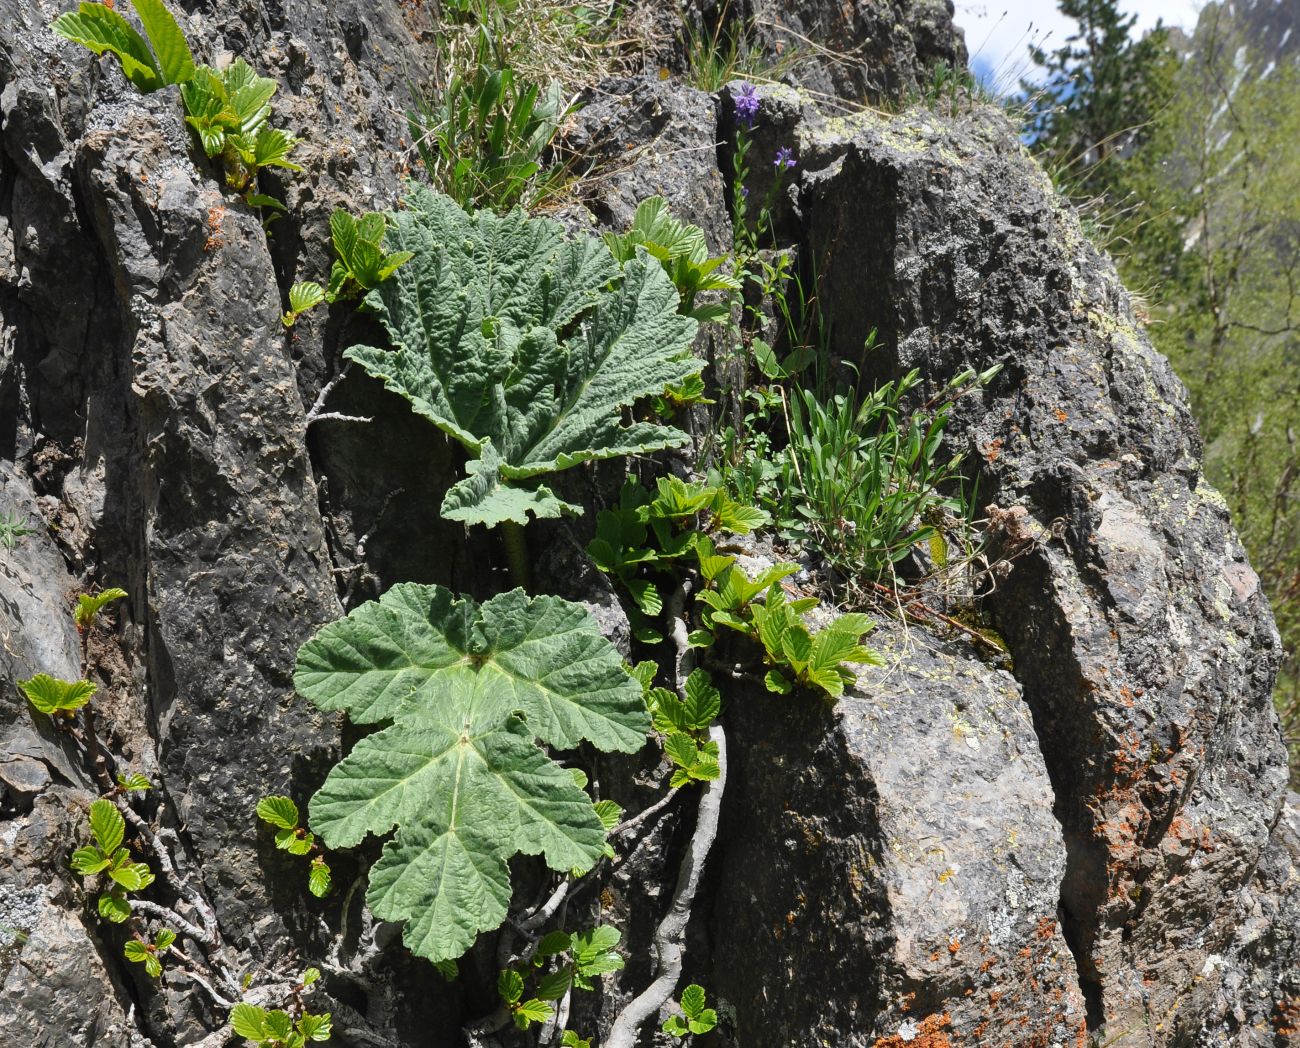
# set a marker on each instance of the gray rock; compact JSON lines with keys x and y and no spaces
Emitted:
{"x":1143,"y":645}
{"x":890,"y":867}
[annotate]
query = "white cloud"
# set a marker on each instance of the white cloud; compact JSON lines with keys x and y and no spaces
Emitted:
{"x":999,"y":32}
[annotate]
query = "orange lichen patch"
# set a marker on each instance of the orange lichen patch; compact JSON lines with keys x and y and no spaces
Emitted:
{"x":988,"y":964}
{"x":216,"y":215}
{"x":1046,"y":928}
{"x":1286,"y":1016}
{"x":953,"y":946}
{"x":994,"y":997}
{"x":1061,"y":416}
{"x":928,"y":1034}
{"x":994,"y":449}
{"x":909,"y":999}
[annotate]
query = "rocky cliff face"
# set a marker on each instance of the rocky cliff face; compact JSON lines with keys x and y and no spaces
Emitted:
{"x":956,"y":854}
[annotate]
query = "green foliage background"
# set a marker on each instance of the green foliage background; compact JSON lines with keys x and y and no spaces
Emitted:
{"x":1186,"y":163}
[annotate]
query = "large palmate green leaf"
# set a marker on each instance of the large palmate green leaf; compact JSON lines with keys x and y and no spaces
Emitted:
{"x":466,"y":689}
{"x":508,"y":335}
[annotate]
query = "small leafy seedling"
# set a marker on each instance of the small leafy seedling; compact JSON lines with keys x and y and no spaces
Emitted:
{"x":305,"y":295}
{"x":361,"y":263}
{"x":695,"y":1018}
{"x":230,"y":110}
{"x":135,"y":782}
{"x":89,"y":606}
{"x":572,"y":1040}
{"x":102,"y":29}
{"x":682,"y":251}
{"x":282,"y":813}
{"x":510,"y":985}
{"x":273,"y":1028}
{"x":150,"y":953}
{"x":57,"y":698}
{"x":685,"y":723}
{"x":13,"y":528}
{"x":109,"y":857}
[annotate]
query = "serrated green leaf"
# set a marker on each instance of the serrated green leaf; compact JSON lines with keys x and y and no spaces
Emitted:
{"x":300,"y":845}
{"x":248,"y":1020}
{"x":553,"y":943}
{"x":305,"y":295}
{"x":50,"y":695}
{"x":88,"y":607}
{"x":609,"y":814}
{"x":593,"y":951}
{"x":265,"y":200}
{"x":646,"y":596}
{"x":485,"y":497}
{"x":675,"y":1026}
{"x":483,"y":358}
{"x":134,"y":950}
{"x":174,"y":61}
{"x":422,"y":654}
{"x":316,"y":1027}
{"x":796,"y":646}
{"x":278,"y":1024}
{"x":278,"y":811}
{"x":88,"y":861}
{"x":449,"y":970}
{"x":572,"y":1040}
{"x":102,"y":29}
{"x":533,"y":1011}
{"x":681,"y":750}
{"x":107,"y":825}
{"x":113,"y":906}
{"x":272,"y":146}
{"x":457,"y":771}
{"x":510,"y":986}
{"x":319,"y":878}
{"x":134,"y":782}
{"x":693,"y":1000}
{"x":704,"y":1022}
{"x":554,"y":985}
{"x":703,"y":701}
{"x":580,"y":779}
{"x":164,"y":939}
{"x":778,"y":682}
{"x":133,"y":876}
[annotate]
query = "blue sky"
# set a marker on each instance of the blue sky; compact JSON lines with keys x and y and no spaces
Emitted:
{"x":999,"y":32}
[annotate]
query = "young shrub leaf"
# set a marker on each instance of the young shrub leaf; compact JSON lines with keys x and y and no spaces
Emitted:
{"x":316,"y":1027}
{"x":113,"y":905}
{"x":134,"y":782}
{"x":174,"y":62}
{"x":107,"y":825}
{"x":52,"y":696}
{"x":88,"y":861}
{"x":554,"y":985}
{"x":510,"y":986}
{"x":248,"y":1020}
{"x":318,"y":878}
{"x":164,"y":939}
{"x":532,"y":1011}
{"x":536,"y":363}
{"x":572,"y":1040}
{"x":88,"y":607}
{"x":278,"y":1025}
{"x":101,"y":29}
{"x":278,"y":811}
{"x":457,"y":771}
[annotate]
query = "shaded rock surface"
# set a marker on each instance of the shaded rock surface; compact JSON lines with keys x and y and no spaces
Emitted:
{"x":950,"y":856}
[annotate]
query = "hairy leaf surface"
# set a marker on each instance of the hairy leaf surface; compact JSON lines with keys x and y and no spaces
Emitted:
{"x":467,"y":688}
{"x":508,"y":335}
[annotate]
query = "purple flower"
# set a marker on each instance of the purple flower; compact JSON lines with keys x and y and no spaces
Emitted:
{"x":744,"y":192}
{"x":784,"y":158}
{"x":746,"y":103}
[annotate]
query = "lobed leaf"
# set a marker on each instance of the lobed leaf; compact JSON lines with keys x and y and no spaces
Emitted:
{"x":457,"y":770}
{"x":50,"y":695}
{"x":88,"y":606}
{"x":505,"y":332}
